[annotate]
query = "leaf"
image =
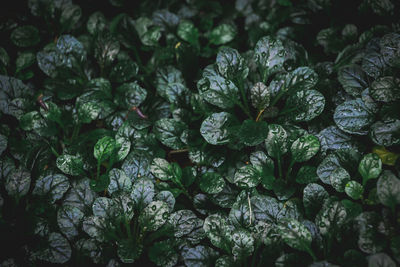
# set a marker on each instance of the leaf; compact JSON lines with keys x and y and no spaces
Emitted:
{"x":331,"y":217}
{"x":295,"y":234}
{"x":306,"y":175}
{"x":370,"y":167}
{"x":276,"y":141}
{"x":354,"y":190}
{"x":188,"y":32}
{"x":162,"y":254}
{"x":95,"y":227}
{"x":168,"y":132}
{"x":269,"y":54}
{"x":80,"y":195}
{"x":137,"y":164}
{"x":387,"y":157}
{"x":96,"y":23}
{"x":171,"y":84}
{"x":18,"y":182}
{"x":388,"y":189}
{"x":241,"y":214}
{"x":211,"y":183}
{"x":199,"y":256}
{"x":385,"y":133}
{"x":218,"y":91}
{"x":124,"y":71}
{"x":353,"y":117}
{"x":217,"y":230}
{"x":300,"y":79}
{"x":58,"y":251}
{"x":314,"y":196}
{"x":104,"y":149}
{"x":304,"y":148}
{"x":69,"y":220}
{"x":247,"y":177}
{"x":70,"y":16}
{"x":373,"y":64}
{"x":24,"y":60}
{"x":14,"y":96}
{"x":260,"y":96}
{"x":390,"y":50}
{"x":339,"y":178}
{"x":380,"y":260}
{"x":149,"y":34}
{"x":332,"y":138}
{"x":70,"y":164}
{"x":385,"y":89}
{"x":3,"y":143}
{"x":326,"y":167}
{"x":184,"y":222}
{"x":307,"y":105}
{"x":55,"y":185}
{"x":161,"y":169}
{"x":167,"y":197}
{"x":106,"y":49}
{"x":270,"y":210}
{"x":130,"y":95}
{"x":25,"y":36}
{"x":154,"y":216}
{"x":143,"y":192}
{"x":103,"y":208}
{"x":353,"y":79}
{"x":253,"y":133}
{"x":119,"y":182}
{"x":243,"y":244}
{"x":222,"y":34}
{"x":215,"y":129}
{"x":231,"y":65}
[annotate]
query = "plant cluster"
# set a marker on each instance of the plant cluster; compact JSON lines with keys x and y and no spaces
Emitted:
{"x":200,"y":133}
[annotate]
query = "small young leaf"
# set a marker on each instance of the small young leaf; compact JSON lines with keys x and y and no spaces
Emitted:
{"x":370,"y":167}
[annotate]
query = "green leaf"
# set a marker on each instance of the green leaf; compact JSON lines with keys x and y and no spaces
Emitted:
{"x":331,"y":217}
{"x":3,"y":143}
{"x":389,"y":45}
{"x":70,"y":164}
{"x":253,"y":133}
{"x":243,"y":244}
{"x":385,"y":133}
{"x":332,"y":138}
{"x":218,"y":91}
{"x":96,"y":23}
{"x":148,"y":33}
{"x":162,"y":254}
{"x":295,"y":234}
{"x":80,"y":195}
{"x":353,"y":117}
{"x":124,"y":71}
{"x":25,"y":36}
{"x":314,"y":196}
{"x":354,"y":190}
{"x":161,"y":169}
{"x":306,"y":175}
{"x":339,"y":178}
{"x":326,"y":167}
{"x":199,"y":255}
{"x":353,"y":79}
{"x":302,"y":78}
{"x":260,"y":96}
{"x":222,"y":34}
{"x":380,"y":260}
{"x":106,"y":49}
{"x":304,"y":148}
{"x":171,"y":84}
{"x":69,"y":219}
{"x":184,"y":222}
{"x":103,"y":207}
{"x":54,"y":185}
{"x":142,"y":192}
{"x":307,"y":105}
{"x":24,"y":60}
{"x":385,"y":89}
{"x":188,"y":32}
{"x":168,"y":132}
{"x":119,"y":182}
{"x":130,"y":95}
{"x":388,"y":189}
{"x":154,"y":216}
{"x":105,"y":148}
{"x":276,"y":141}
{"x":211,"y":183}
{"x":241,"y":214}
{"x":70,"y":16}
{"x":247,"y":177}
{"x":370,"y":167}
{"x":58,"y":250}
{"x":18,"y":182}
{"x":231,"y":65}
{"x":373,"y":64}
{"x":218,"y":231}
{"x":215,"y":129}
{"x":15,"y":96}
{"x":269,"y":54}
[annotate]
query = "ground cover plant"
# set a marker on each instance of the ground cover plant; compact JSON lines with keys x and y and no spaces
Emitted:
{"x":200,"y":133}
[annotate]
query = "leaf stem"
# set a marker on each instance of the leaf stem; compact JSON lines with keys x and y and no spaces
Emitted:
{"x":279,"y":166}
{"x":292,"y":162}
{"x":259,"y":114}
